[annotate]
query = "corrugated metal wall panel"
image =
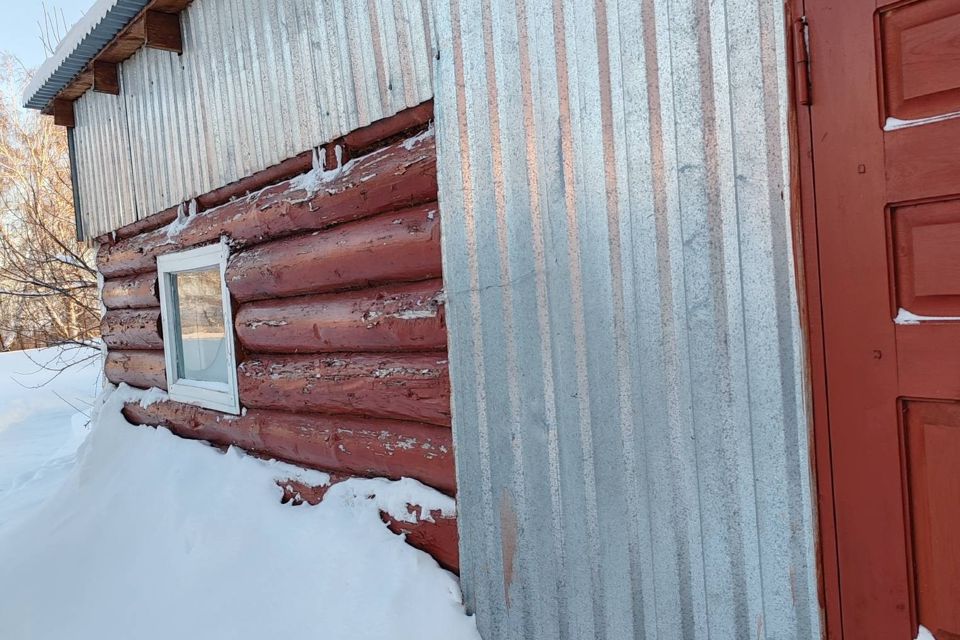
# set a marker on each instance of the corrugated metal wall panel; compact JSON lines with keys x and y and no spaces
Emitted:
{"x":258,"y":82}
{"x":629,"y":405}
{"x":102,"y":145}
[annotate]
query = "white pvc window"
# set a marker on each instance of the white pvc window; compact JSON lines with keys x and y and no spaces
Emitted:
{"x":198,"y":328}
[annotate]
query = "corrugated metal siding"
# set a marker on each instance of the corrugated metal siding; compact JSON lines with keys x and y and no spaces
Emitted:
{"x":258,"y":82}
{"x":629,"y":406}
{"x":106,"y":186}
{"x":98,"y":27}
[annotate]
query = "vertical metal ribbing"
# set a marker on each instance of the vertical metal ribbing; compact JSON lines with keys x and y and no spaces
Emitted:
{"x":242,"y":98}
{"x":624,"y":336}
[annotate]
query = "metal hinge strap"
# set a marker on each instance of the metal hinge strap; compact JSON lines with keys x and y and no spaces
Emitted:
{"x":801,"y":57}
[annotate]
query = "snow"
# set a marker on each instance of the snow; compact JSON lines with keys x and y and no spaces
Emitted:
{"x":68,"y":45}
{"x":39,"y":429}
{"x":894,"y":124}
{"x":152,"y":396}
{"x":184,"y":218}
{"x":147,"y":535}
{"x":908,"y":317}
{"x":924,"y":634}
{"x":410,"y":143}
{"x":313,"y":180}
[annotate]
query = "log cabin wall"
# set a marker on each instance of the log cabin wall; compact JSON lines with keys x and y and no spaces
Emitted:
{"x":254,"y":83}
{"x":338,"y":308}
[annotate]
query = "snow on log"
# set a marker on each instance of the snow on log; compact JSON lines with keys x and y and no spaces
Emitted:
{"x":405,"y":387}
{"x":133,"y":292}
{"x":143,"y":369}
{"x":377,"y":132}
{"x":400,"y":246}
{"x":338,"y":444}
{"x":398,"y":318}
{"x":132,"y":329}
{"x":395,"y":177}
{"x":437,"y":536}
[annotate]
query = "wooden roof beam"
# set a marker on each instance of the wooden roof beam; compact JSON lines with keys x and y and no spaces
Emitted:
{"x":106,"y":77}
{"x":162,"y":31}
{"x":157,"y":27}
{"x":63,"y":113}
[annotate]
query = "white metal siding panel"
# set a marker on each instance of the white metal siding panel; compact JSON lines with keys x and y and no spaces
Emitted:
{"x":629,"y":407}
{"x":102,"y":144}
{"x":258,"y":82}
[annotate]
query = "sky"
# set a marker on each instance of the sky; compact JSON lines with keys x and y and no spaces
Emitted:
{"x":19,"y":32}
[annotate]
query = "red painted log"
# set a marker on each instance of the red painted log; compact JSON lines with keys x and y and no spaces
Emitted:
{"x":373,"y":135}
{"x":150,"y":223}
{"x":438,"y":538}
{"x":132,"y":329}
{"x":392,"y":178}
{"x":284,"y":170}
{"x":399,"y":246}
{"x":134,"y":292}
{"x":398,"y":318}
{"x":355,"y":143}
{"x":143,"y":369}
{"x":404,"y":387}
{"x":296,"y":492}
{"x":339,"y":444}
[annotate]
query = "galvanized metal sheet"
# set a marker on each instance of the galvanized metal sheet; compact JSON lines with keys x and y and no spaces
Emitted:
{"x":258,"y":82}
{"x":101,"y":23}
{"x":630,"y":417}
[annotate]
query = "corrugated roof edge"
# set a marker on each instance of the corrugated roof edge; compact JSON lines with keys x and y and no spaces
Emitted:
{"x":94,"y":31}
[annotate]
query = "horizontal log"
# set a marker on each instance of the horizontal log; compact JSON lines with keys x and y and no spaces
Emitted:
{"x":356,"y":143}
{"x":132,"y":329}
{"x":395,"y":177}
{"x":150,"y":223}
{"x":438,"y":538}
{"x":404,"y":387}
{"x":397,"y":318}
{"x":143,"y":369}
{"x":338,"y":444}
{"x":289,"y":168}
{"x":133,"y":292}
{"x":400,"y":246}
{"x":360,"y":140}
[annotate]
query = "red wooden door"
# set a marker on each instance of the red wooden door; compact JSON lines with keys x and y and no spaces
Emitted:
{"x":884,"y":132}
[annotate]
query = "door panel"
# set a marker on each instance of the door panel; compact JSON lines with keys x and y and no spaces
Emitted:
{"x":886,"y":163}
{"x":921,"y":58}
{"x":933,"y":470}
{"x":927,"y":355}
{"x":926,"y":238}
{"x":920,"y":163}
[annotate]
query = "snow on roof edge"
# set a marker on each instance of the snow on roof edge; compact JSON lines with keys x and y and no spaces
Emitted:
{"x":87,"y":38}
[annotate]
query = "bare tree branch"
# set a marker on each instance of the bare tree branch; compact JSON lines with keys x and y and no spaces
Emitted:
{"x":48,"y":284}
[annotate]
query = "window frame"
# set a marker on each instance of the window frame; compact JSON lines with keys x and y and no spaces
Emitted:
{"x":198,"y":393}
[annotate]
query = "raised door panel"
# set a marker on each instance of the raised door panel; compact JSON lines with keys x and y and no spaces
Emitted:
{"x":933,"y":470}
{"x":921,"y":59}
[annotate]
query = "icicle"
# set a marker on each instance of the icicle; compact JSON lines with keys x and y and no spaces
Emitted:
{"x":338,"y":152}
{"x":185,"y":211}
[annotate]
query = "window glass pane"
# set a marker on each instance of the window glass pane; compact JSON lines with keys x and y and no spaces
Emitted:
{"x":201,"y":342}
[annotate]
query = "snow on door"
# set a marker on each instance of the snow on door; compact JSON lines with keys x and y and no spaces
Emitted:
{"x":886,"y":155}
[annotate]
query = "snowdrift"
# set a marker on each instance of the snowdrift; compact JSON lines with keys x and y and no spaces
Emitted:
{"x":152,"y":536}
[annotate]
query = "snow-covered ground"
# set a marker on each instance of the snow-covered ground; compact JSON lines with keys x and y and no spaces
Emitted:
{"x":43,"y":419}
{"x":115,"y":531}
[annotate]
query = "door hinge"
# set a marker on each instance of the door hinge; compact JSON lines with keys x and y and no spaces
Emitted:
{"x":801,"y":57}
